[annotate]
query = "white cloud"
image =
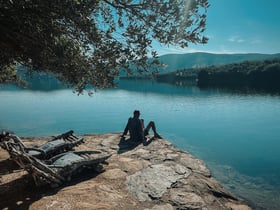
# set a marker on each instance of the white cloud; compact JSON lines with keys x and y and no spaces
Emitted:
{"x":236,"y":39}
{"x":176,"y":50}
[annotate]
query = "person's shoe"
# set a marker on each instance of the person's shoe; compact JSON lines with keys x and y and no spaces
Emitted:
{"x":157,"y":136}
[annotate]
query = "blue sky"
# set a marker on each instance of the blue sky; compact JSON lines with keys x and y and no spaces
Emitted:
{"x":238,"y":26}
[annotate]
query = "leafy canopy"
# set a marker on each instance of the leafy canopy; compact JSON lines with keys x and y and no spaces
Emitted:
{"x":88,"y":41}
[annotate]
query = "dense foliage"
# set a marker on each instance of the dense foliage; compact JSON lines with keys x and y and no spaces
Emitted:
{"x":87,"y":41}
{"x":259,"y":74}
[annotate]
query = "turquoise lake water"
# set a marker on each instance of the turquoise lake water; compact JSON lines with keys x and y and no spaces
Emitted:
{"x":236,"y":134}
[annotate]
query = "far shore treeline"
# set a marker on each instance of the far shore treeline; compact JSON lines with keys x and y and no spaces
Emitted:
{"x":258,"y":74}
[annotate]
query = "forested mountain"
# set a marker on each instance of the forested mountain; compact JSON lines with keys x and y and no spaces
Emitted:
{"x":173,"y":62}
{"x":258,"y":74}
{"x":264,"y":74}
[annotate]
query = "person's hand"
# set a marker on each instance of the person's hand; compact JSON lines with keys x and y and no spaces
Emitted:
{"x":122,"y":138}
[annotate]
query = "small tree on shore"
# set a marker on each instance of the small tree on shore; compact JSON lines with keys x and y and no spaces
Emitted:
{"x":86,"y":42}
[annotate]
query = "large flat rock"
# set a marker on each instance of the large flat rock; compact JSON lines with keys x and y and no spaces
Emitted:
{"x":156,"y":176}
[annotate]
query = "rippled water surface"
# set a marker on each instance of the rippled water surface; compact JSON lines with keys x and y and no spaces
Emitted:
{"x":236,"y":134}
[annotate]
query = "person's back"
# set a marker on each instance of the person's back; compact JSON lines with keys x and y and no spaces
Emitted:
{"x":135,"y":129}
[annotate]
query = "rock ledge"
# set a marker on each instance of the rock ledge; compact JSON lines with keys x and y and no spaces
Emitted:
{"x":157,"y":176}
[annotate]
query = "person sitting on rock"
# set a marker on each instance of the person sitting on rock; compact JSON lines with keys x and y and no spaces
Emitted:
{"x":137,"y":130}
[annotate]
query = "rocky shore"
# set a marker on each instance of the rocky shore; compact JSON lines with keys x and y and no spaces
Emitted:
{"x":155,"y":176}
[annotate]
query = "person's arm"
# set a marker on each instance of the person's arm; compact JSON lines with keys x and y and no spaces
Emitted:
{"x":140,"y":129}
{"x":126,"y":128}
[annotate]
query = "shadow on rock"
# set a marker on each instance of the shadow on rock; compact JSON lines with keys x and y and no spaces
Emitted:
{"x":85,"y":175}
{"x":128,"y":144}
{"x":8,"y":166}
{"x":22,"y":192}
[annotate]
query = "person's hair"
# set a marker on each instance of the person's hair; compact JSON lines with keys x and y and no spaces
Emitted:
{"x":136,"y":112}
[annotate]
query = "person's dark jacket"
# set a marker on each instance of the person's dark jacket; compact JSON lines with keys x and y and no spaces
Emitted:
{"x":134,"y":126}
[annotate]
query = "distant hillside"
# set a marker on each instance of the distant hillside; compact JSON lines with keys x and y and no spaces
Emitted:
{"x":263,"y":75}
{"x":175,"y":62}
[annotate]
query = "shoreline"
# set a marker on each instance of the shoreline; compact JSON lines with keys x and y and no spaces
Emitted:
{"x":155,"y":176}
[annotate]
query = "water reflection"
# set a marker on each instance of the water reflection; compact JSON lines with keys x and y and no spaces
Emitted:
{"x":236,"y":134}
